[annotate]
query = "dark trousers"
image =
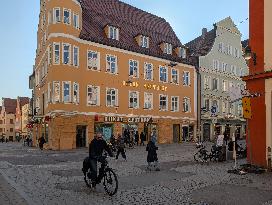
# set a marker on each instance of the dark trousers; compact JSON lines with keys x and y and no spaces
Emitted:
{"x":122,"y":151}
{"x":142,"y":142}
{"x":93,"y":167}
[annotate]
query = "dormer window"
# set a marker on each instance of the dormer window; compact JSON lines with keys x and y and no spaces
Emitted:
{"x":167,"y":48}
{"x":144,"y":41}
{"x":181,"y":52}
{"x":113,"y":33}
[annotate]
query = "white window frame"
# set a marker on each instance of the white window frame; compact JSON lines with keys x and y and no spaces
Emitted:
{"x":132,"y":66}
{"x":224,"y":67}
{"x":175,"y":103}
{"x":69,"y":54}
{"x":55,"y":19}
{"x":177,"y":76}
{"x":63,"y":87}
{"x":54,"y":53}
{"x":112,"y":103}
{"x":207,"y":100}
{"x":146,"y":66}
{"x":186,"y":105}
{"x":168,"y":48}
{"x":144,"y":41}
{"x":148,"y":105}
{"x":186,"y":76}
{"x":69,"y":19}
{"x":225,"y":85}
{"x":221,"y":47}
{"x":160,"y":102}
{"x":113,"y":33}
{"x":207,"y":82}
{"x":55,"y":99}
{"x":217,"y":84}
{"x":76,"y":96}
{"x":108,"y":64}
{"x":49,"y":91}
{"x":76,"y":21}
{"x":137,"y":97}
{"x":97,"y":97}
{"x":166,"y":73}
{"x":224,"y":107}
{"x":92,"y":63}
{"x":233,"y":69}
{"x":77,"y":58}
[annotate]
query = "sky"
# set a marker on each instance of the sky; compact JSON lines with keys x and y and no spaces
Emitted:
{"x":18,"y":29}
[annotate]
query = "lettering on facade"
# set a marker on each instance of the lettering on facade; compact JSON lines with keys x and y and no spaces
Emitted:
{"x":129,"y":120}
{"x":155,"y":87}
{"x":131,"y":84}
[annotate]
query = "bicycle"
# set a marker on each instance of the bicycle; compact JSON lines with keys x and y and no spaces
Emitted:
{"x":109,"y":178}
{"x":203,"y":155}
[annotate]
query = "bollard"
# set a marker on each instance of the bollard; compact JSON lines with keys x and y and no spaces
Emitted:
{"x":269,"y":159}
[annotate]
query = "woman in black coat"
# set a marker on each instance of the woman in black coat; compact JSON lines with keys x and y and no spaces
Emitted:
{"x":151,"y":149}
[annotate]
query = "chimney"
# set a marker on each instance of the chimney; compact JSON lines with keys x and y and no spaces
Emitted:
{"x":204,"y":31}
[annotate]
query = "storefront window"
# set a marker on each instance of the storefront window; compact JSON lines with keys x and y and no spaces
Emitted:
{"x":105,"y":129}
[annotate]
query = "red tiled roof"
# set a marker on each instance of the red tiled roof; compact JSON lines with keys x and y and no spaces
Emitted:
{"x":9,"y":105}
{"x":131,"y":21}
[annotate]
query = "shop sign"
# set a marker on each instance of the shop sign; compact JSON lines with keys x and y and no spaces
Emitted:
{"x":113,"y":119}
{"x":138,"y":119}
{"x":155,"y":87}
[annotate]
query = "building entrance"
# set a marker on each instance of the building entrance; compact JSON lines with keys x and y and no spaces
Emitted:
{"x":81,"y":136}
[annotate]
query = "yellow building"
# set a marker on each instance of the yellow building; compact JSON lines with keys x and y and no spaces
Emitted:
{"x":25,"y":119}
{"x":107,"y":66}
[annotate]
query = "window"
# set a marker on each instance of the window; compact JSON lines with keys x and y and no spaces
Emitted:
{"x":186,"y":104}
{"x":224,"y":107}
{"x":11,"y":121}
{"x":76,"y":93}
{"x":224,"y":67}
{"x":66,"y":16}
{"x":186,"y":78}
{"x":111,"y":66}
{"x":49,"y":97}
{"x":50,"y":55}
{"x":56,"y":91}
{"x":233,"y":69}
{"x":112,"y":97}
{"x":133,"y":99}
{"x":93,"y":95}
{"x":66,"y":53}
{"x":238,"y":72}
{"x":56,"y":17}
{"x":113,"y":33}
{"x":93,"y":60}
{"x":221,"y":47}
{"x":11,"y":129}
{"x":207,"y":82}
{"x":215,"y":84}
{"x":236,"y":53}
{"x":182,"y":53}
{"x":240,"y":110}
{"x":229,"y":50}
{"x":66,"y":91}
{"x":163,"y":102}
{"x":225,"y":85}
{"x":56,"y":53}
{"x":148,"y":71}
{"x":174,"y":76}
{"x":175,"y":103}
{"x":215,"y":65}
{"x":167,"y":48}
{"x":144,"y":41}
{"x":207,"y":104}
{"x":148,"y":100}
{"x":76,"y":21}
{"x":133,"y":68}
{"x":75,"y":56}
{"x":232,"y":110}
{"x":163,"y":74}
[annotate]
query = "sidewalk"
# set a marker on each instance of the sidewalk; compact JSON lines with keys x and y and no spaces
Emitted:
{"x":8,"y":195}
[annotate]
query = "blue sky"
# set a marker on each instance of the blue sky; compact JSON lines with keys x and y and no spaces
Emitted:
{"x":18,"y":30}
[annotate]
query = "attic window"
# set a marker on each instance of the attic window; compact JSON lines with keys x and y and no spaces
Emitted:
{"x":144,"y":41}
{"x":182,"y":53}
{"x":113,"y":33}
{"x":167,"y":48}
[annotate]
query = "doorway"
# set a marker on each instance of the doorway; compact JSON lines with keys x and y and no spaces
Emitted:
{"x":81,"y":136}
{"x":176,"y":133}
{"x":206,"y":132}
{"x":185,"y":133}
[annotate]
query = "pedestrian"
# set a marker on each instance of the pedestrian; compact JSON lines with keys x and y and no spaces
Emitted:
{"x":226,"y":137}
{"x":142,"y":137}
{"x":137,"y":138}
{"x":121,"y":147}
{"x":152,"y":156}
{"x":41,"y":142}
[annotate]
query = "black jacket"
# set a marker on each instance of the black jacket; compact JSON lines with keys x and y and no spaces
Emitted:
{"x":97,"y":147}
{"x":151,"y":148}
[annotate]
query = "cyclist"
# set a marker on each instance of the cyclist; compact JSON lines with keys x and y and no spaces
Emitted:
{"x":96,"y":148}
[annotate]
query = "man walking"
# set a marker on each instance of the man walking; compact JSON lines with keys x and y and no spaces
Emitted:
{"x":121,"y":147}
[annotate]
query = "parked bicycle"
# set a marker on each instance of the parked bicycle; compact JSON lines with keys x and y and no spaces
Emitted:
{"x":203,"y":155}
{"x":109,"y":178}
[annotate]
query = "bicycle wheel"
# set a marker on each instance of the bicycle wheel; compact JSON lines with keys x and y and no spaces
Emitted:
{"x":199,"y":157}
{"x":110,"y":182}
{"x":87,"y":179}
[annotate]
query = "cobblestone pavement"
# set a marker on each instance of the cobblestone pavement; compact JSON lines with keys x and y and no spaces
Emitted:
{"x":50,"y":177}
